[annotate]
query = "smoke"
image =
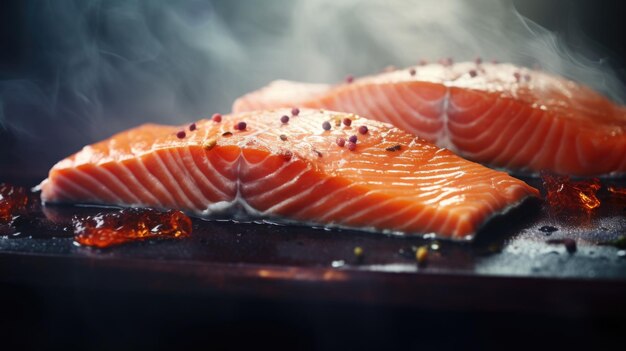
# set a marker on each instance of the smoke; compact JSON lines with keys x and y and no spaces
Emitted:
{"x":96,"y":67}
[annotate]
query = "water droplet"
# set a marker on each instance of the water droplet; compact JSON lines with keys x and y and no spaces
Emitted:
{"x":338,"y":263}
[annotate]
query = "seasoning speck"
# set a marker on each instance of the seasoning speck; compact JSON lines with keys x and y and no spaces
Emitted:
{"x":353,"y":139}
{"x":421,"y":255}
{"x":347,"y":122}
{"x":412,"y":71}
{"x":227,"y":134}
{"x":287,"y":155}
{"x":283,"y":137}
{"x":295,"y":111}
{"x":358,"y":252}
{"x":192,"y":127}
{"x":284,"y":119}
{"x":341,"y":142}
{"x":478,"y":60}
{"x":326,"y":125}
{"x":319,"y":154}
{"x":517,"y":76}
{"x":181,"y":134}
{"x":216,"y":117}
{"x":363,"y":129}
{"x":397,"y":147}
{"x":209,"y":144}
{"x":473,"y":73}
{"x":349,"y":79}
{"x":241,"y":126}
{"x":351,"y":146}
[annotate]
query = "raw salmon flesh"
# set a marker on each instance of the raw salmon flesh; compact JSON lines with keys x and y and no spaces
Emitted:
{"x":496,"y":114}
{"x":300,"y":167}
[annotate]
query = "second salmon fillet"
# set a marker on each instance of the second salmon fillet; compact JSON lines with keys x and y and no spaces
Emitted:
{"x":496,"y":114}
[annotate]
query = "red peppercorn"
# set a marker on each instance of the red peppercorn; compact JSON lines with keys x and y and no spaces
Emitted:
{"x":341,"y":141}
{"x":241,"y":126}
{"x":192,"y":127}
{"x":326,"y":125}
{"x":284,"y":119}
{"x":287,"y":155}
{"x":351,"y":146}
{"x":347,"y":122}
{"x":216,"y":117}
{"x":412,"y":71}
{"x":295,"y":111}
{"x":363,"y":129}
{"x":353,"y":139}
{"x":181,"y":134}
{"x":349,"y":79}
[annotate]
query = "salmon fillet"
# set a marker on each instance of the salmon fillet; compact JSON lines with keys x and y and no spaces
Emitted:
{"x":388,"y":181}
{"x":496,"y":114}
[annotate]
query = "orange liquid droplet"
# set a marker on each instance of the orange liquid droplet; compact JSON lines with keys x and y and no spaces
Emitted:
{"x":566,"y":196}
{"x":13,"y":201}
{"x":108,"y":229}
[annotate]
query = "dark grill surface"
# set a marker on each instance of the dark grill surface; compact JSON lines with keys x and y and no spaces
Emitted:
{"x":512,"y":247}
{"x":510,"y":270}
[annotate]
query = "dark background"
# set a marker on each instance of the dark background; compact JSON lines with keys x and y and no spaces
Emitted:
{"x":74,"y":72}
{"x":43,"y":317}
{"x":601,"y":21}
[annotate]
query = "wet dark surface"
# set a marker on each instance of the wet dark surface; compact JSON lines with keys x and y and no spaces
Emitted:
{"x":514,"y":246}
{"x":527,"y":243}
{"x":302,"y":287}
